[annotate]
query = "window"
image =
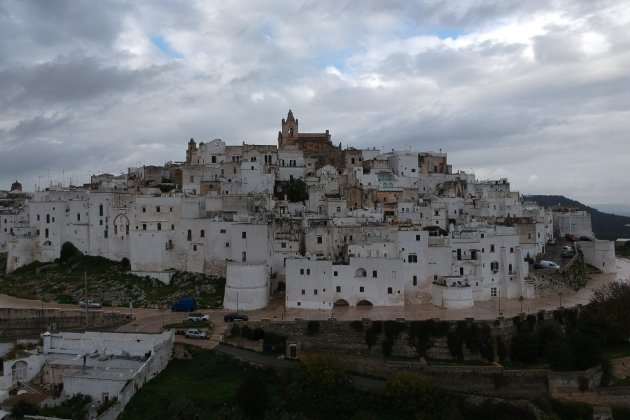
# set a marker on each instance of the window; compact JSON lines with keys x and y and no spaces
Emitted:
{"x":415,"y":280}
{"x":157,"y":209}
{"x":170,"y":209}
{"x":144,"y":210}
{"x":244,"y":256}
{"x":48,"y":218}
{"x":301,"y":271}
{"x":389,"y":291}
{"x":100,"y":222}
{"x":46,"y":233}
{"x":303,"y":291}
{"x":493,"y":292}
{"x":417,"y":237}
{"x":413,"y":258}
{"x":222,"y":231}
{"x":494,"y":266}
{"x":283,"y":245}
{"x":319,"y":240}
{"x":189,"y":235}
{"x":361,"y":289}
{"x":144,"y":226}
{"x":5,"y":220}
{"x":491,"y":248}
{"x":202,"y":234}
{"x":338,"y":289}
{"x":308,"y":271}
{"x":227,"y":244}
{"x":374,"y":273}
{"x":159,"y":226}
{"x":511,"y":250}
{"x":314,"y":291}
{"x":100,"y":210}
{"x":172,"y":227}
{"x":335,"y":273}
{"x":244,"y":235}
{"x":78,"y":217}
{"x":213,"y":159}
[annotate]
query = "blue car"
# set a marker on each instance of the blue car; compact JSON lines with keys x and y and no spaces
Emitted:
{"x":185,"y":304}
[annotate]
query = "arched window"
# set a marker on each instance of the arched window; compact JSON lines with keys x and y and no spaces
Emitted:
{"x":360,"y":273}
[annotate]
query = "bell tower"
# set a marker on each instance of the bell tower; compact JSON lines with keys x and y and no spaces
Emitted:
{"x":289,"y":134}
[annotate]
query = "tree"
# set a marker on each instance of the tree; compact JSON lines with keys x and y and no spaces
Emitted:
{"x":319,"y":385}
{"x":559,"y":354}
{"x":524,"y":348}
{"x":607,"y":316}
{"x":409,"y":395}
{"x":252,"y":396}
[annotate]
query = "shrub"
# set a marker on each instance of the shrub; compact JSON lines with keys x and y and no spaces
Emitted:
{"x":455,"y":341}
{"x":524,"y":348}
{"x":68,"y":251}
{"x":357,"y":326}
{"x":502,"y":350}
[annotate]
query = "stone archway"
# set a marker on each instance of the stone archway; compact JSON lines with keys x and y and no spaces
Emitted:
{"x":19,"y":371}
{"x":341,"y":302}
{"x":259,"y":334}
{"x":364,"y":303}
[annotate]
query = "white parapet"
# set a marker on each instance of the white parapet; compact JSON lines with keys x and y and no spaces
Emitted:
{"x":452,"y":297}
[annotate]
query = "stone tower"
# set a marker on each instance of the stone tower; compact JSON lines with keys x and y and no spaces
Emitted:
{"x":289,"y":134}
{"x":191,"y":151}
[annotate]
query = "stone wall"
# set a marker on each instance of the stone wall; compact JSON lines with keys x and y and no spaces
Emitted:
{"x":17,"y":322}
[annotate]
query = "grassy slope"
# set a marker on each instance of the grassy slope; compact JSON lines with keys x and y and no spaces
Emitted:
{"x":209,"y":380}
{"x":108,"y":283}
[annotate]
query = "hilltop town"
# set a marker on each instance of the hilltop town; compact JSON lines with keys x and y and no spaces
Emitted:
{"x":322,"y":228}
{"x":330,"y":226}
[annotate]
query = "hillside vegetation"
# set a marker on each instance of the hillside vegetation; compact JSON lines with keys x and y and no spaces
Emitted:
{"x":605,"y":225}
{"x":108,"y":282}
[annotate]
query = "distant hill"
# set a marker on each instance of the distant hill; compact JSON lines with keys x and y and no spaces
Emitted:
{"x":605,"y":225}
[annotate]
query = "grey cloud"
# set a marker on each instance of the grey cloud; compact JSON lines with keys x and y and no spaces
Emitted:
{"x":69,"y":80}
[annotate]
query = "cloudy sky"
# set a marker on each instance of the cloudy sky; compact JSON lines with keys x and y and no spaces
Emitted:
{"x":536,"y":91}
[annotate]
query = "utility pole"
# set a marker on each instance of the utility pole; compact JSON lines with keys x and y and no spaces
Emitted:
{"x":499,"y":301}
{"x":85,"y":300}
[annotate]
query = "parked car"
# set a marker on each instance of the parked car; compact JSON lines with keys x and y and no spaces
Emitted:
{"x":567,"y":248}
{"x":551,"y":241}
{"x":235,"y":316}
{"x":185,"y":304}
{"x":197,"y":333}
{"x":546,"y":265}
{"x":567,"y":254}
{"x":90,"y":304}
{"x":197,"y":317}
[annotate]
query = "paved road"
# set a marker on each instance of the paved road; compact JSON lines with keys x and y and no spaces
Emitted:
{"x":359,"y":382}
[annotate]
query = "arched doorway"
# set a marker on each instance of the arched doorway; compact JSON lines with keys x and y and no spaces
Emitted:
{"x":341,"y":302}
{"x":364,"y":303}
{"x":18,"y":371}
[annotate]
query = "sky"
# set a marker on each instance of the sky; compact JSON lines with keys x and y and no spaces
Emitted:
{"x":534,"y":91}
